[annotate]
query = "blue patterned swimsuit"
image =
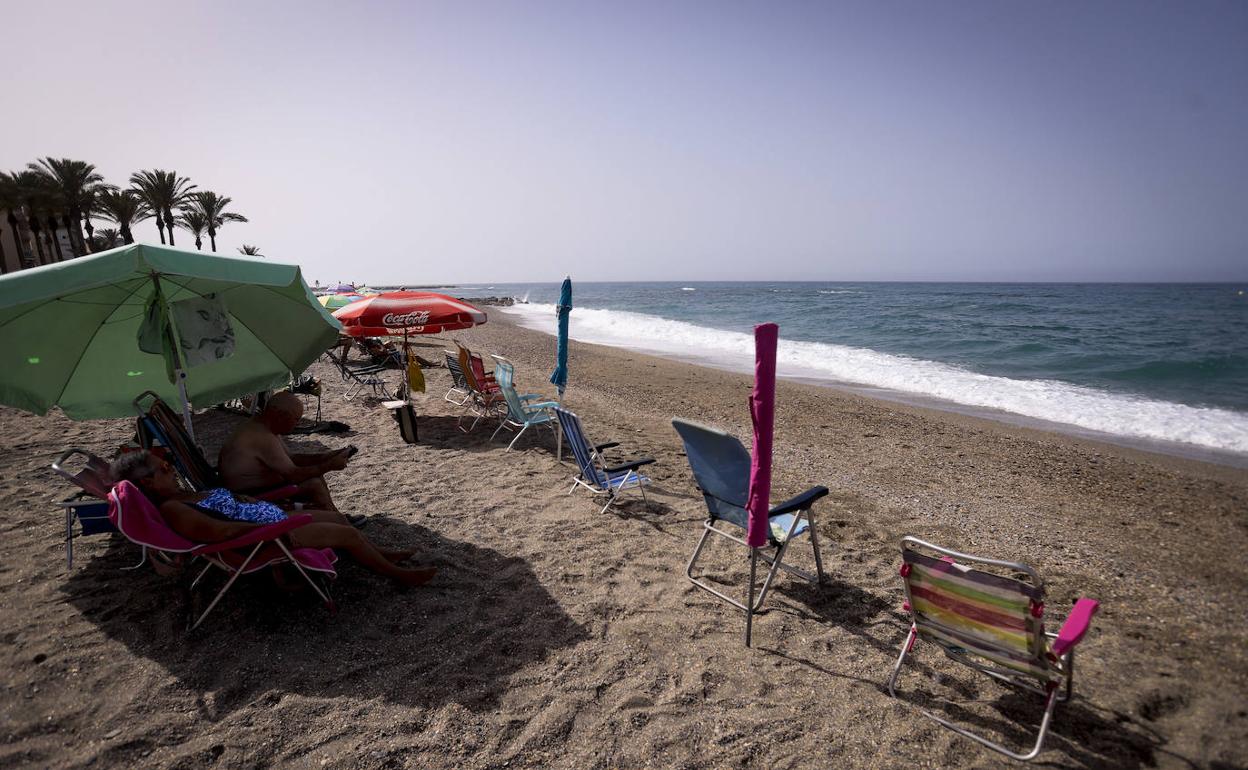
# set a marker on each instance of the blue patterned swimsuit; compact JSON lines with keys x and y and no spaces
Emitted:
{"x":222,"y":501}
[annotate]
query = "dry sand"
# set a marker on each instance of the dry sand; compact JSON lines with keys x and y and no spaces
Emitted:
{"x":558,"y":637}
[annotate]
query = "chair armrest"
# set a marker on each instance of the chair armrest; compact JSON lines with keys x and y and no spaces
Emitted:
{"x":540,"y":405}
{"x":799,"y":503}
{"x":1076,"y":625}
{"x":608,"y":445}
{"x":258,"y":535}
{"x":530,"y":396}
{"x":281,"y":493}
{"x":631,"y":465}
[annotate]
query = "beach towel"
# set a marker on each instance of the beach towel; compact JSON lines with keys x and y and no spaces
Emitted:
{"x":204,"y":331}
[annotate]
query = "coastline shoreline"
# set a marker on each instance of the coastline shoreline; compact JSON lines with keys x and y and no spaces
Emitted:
{"x":1169,"y":448}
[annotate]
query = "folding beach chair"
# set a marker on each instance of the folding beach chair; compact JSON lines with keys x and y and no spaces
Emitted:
{"x":140,"y":521}
{"x":459,"y":392}
{"x":159,"y":425}
{"x":523,"y":412}
{"x":992,"y":621}
{"x":721,"y":468}
{"x":486,"y":398}
{"x":361,"y":378}
{"x":87,"y":507}
{"x":596,"y":475}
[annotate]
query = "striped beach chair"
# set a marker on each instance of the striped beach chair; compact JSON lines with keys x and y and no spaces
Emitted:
{"x":459,"y":392}
{"x":596,"y":474}
{"x":983,"y":615}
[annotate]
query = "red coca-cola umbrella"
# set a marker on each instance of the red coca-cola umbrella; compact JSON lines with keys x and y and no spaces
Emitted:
{"x":407,"y":312}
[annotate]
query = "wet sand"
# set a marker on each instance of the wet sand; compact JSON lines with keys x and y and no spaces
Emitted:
{"x":558,"y":637}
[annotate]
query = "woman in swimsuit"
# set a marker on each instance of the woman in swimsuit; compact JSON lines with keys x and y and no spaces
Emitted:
{"x":218,"y":515}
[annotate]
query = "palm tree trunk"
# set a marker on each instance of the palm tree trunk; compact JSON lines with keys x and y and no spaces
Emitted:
{"x":56,"y":242}
{"x":169,"y":224}
{"x":86,"y":222}
{"x":212,"y":237}
{"x":160,"y":225}
{"x":199,"y":243}
{"x":32,"y":222}
{"x":4,"y":263}
{"x":126,"y":236}
{"x":75,"y":223}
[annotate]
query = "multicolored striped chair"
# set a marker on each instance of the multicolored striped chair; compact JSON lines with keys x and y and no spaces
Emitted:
{"x":991,"y":621}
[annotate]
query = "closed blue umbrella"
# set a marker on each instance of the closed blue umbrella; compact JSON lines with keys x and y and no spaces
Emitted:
{"x":560,"y":376}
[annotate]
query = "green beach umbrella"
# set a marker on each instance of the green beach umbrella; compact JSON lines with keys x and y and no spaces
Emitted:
{"x":91,"y":334}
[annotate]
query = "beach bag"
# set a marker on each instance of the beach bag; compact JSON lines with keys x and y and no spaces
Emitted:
{"x":405,"y":416}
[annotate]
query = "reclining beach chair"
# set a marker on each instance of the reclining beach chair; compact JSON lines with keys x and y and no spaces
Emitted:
{"x":160,"y":425}
{"x":523,"y":412}
{"x":367,"y":377}
{"x":596,"y":475}
{"x":459,"y":392}
{"x":721,"y":468}
{"x":991,"y":621}
{"x":87,"y":507}
{"x":486,"y":398}
{"x":140,"y":521}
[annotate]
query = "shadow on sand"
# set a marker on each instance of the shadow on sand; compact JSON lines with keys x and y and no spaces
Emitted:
{"x":460,"y":639}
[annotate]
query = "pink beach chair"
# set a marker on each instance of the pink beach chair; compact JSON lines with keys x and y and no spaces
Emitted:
{"x":139,"y":520}
{"x":981,"y":613}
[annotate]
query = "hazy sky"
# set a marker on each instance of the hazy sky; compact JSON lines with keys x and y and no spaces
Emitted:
{"x":421,"y":143}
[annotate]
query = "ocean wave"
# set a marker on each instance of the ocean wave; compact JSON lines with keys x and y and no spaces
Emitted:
{"x":1051,"y":400}
{"x":687,"y":288}
{"x":838,"y":291}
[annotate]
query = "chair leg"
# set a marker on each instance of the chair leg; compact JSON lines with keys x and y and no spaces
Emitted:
{"x":1050,"y":704}
{"x":329,"y":603}
{"x":749,"y":604}
{"x":200,"y":576}
{"x":233,"y":576}
{"x":142,"y":559}
{"x":69,"y":538}
{"x":814,"y":543}
{"x":517,"y":438}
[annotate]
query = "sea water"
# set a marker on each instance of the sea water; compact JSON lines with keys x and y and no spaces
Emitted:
{"x":1147,"y":362}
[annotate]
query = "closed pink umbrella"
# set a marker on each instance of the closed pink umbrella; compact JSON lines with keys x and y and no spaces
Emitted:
{"x":763,"y":415}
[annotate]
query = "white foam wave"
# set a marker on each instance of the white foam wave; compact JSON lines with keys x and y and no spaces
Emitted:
{"x":1051,"y":400}
{"x":838,"y":291}
{"x":687,"y":288}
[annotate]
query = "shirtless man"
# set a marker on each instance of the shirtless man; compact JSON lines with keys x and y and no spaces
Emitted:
{"x":254,"y":457}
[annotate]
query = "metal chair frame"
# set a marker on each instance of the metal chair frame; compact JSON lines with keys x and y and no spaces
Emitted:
{"x":1054,"y":692}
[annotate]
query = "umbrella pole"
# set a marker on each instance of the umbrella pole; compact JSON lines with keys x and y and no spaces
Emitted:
{"x":559,"y":432}
{"x":749,"y":607}
{"x":186,"y":404}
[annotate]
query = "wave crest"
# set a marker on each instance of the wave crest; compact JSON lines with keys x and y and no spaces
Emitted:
{"x":1051,"y":400}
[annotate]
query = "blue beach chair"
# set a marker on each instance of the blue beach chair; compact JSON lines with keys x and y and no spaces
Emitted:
{"x":596,"y":475}
{"x":523,"y":412}
{"x":721,"y":468}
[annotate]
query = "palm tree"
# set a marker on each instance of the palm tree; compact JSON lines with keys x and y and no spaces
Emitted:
{"x":74,"y":182}
{"x":123,"y":208}
{"x":212,"y":207}
{"x":251,"y":251}
{"x":11,"y":203}
{"x":162,"y":191}
{"x":37,"y":196}
{"x":193,"y":221}
{"x":106,"y":238}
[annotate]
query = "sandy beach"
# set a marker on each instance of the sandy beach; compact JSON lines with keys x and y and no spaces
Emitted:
{"x":557,"y":637}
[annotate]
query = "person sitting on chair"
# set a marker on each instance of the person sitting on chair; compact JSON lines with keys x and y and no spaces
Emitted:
{"x":218,"y":515}
{"x":254,"y":458}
